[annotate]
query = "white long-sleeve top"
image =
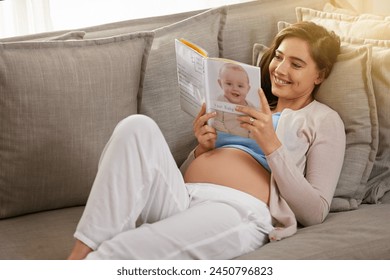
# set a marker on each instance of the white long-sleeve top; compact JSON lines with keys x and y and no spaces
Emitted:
{"x":305,"y":169}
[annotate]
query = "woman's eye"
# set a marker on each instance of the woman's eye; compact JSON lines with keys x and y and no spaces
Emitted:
{"x":277,"y":57}
{"x":296,"y":65}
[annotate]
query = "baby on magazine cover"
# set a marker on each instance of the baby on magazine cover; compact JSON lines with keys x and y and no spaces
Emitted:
{"x":234,"y":81}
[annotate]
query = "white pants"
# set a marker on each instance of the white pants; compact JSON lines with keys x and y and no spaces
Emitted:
{"x":140,"y":207}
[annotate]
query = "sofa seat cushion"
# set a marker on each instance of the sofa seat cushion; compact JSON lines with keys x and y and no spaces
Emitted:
{"x":41,"y":236}
{"x":359,"y":234}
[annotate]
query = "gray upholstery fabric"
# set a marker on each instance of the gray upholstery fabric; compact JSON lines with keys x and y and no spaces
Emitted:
{"x":41,"y":236}
{"x":254,"y":22}
{"x":60,"y":102}
{"x":353,"y":234}
{"x":349,"y":91}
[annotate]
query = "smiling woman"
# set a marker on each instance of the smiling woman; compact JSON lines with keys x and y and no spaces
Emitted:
{"x":22,"y":17}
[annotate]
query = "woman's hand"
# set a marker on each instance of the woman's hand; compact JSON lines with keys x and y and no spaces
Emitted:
{"x":260,"y":125}
{"x":205,"y":134}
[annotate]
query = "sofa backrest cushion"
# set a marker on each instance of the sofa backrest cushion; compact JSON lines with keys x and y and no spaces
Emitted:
{"x":60,"y":101}
{"x":348,"y":90}
{"x":256,"y":22}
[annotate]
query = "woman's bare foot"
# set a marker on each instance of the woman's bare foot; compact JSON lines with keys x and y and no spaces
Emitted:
{"x":79,"y":251}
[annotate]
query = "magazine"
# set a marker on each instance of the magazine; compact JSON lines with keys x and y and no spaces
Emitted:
{"x":221,"y":84}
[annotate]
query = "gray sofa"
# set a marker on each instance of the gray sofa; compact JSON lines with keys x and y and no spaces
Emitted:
{"x":63,"y":92}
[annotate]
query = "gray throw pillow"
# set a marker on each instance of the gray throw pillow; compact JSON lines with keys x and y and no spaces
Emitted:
{"x":60,"y":102}
{"x":160,"y":98}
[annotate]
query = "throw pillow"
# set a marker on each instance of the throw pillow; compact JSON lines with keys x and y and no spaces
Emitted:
{"x":348,"y":90}
{"x":362,"y":26}
{"x":47,"y":36}
{"x":160,"y":98}
{"x":379,"y":180}
{"x":60,"y":102}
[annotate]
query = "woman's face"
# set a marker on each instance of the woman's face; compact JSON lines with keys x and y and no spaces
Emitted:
{"x":293,"y":72}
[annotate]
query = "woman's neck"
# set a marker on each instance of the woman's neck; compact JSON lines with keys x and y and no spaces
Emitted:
{"x":292,"y":104}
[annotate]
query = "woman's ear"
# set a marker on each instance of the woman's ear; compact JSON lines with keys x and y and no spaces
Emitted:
{"x":320,"y":78}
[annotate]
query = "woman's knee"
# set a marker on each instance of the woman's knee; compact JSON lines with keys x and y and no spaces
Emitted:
{"x":135,"y":124}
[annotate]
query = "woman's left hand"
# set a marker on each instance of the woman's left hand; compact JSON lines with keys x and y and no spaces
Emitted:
{"x":259,"y":124}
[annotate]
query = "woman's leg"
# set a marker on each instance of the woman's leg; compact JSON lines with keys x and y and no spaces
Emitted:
{"x":221,"y":223}
{"x":137,"y":181}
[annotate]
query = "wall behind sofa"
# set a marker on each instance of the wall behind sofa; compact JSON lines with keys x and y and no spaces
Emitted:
{"x":23,"y":17}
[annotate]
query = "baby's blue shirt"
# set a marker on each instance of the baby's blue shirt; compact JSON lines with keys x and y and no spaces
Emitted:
{"x":248,"y":145}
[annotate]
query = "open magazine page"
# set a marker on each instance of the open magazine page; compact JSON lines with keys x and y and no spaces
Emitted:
{"x":191,"y":78}
{"x":229,"y":84}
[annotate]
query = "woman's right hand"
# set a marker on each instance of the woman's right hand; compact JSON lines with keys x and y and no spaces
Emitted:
{"x":205,"y":134}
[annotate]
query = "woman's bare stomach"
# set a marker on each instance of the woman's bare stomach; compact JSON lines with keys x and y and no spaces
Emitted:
{"x":231,"y":168}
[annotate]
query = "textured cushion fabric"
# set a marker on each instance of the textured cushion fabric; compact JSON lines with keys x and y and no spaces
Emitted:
{"x":47,"y":36}
{"x":360,"y":234}
{"x":348,"y":90}
{"x":379,"y":180}
{"x":364,"y":26}
{"x":60,"y":102}
{"x":46,"y":235}
{"x":160,"y":98}
{"x":255,"y":22}
{"x":128,"y":26}
{"x":72,"y":35}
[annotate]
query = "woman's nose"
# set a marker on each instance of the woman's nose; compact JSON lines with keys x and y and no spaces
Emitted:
{"x":281,"y":68}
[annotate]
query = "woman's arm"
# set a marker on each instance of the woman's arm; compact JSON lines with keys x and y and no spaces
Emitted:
{"x":309,"y":195}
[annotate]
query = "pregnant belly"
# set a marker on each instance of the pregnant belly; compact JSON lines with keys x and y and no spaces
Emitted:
{"x":231,"y":168}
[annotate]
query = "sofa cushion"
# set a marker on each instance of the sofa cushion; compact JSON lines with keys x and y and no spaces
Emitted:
{"x":361,"y":26}
{"x":348,"y":90}
{"x":60,"y":102}
{"x":46,"y":235}
{"x":47,"y":36}
{"x":160,"y":98}
{"x":362,"y":234}
{"x":379,"y":179}
{"x":72,"y":35}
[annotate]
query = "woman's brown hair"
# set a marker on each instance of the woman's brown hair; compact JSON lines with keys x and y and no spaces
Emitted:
{"x":324,"y":48}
